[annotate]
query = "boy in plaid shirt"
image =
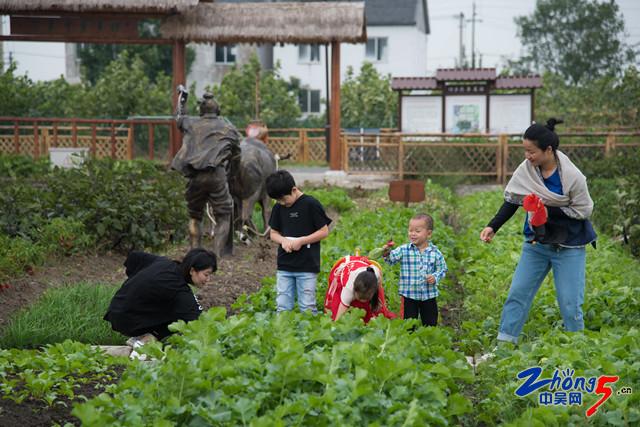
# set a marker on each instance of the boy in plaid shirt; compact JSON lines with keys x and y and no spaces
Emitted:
{"x":422,"y":267}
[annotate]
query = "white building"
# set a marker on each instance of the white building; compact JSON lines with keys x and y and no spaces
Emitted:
{"x":397,"y":45}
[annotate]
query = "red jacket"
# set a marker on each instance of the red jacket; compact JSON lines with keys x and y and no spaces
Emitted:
{"x":339,"y":276}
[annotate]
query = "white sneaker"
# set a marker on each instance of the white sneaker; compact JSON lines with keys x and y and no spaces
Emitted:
{"x":487,"y":356}
{"x":136,"y":343}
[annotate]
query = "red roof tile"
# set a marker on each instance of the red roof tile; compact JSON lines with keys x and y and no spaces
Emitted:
{"x":518,"y":82}
{"x":402,"y":83}
{"x":466,"y":74}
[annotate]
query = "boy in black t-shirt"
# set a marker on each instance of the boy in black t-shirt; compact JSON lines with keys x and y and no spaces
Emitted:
{"x":298,"y":224}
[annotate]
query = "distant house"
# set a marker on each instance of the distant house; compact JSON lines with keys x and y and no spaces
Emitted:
{"x":397,"y":44}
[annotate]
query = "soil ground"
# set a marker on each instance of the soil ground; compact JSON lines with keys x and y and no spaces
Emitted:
{"x":237,"y":275}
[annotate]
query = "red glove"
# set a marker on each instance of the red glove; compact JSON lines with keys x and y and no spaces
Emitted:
{"x":532,"y":203}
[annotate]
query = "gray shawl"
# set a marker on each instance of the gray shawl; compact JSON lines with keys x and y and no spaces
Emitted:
{"x":575,"y":201}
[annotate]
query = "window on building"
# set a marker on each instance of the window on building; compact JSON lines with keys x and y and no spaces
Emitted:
{"x":309,"y":100}
{"x":309,"y":53}
{"x":225,"y":54}
{"x":376,"y":49}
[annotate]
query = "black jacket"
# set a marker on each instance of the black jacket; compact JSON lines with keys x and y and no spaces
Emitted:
{"x":154,"y":294}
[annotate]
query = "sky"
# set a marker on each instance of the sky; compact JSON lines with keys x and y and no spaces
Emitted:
{"x":496,"y":37}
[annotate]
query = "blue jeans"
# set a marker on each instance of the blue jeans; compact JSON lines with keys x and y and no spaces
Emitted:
{"x":288,"y":283}
{"x":568,"y":266}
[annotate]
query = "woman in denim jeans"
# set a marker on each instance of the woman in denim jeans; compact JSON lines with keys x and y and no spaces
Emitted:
{"x":555,"y":240}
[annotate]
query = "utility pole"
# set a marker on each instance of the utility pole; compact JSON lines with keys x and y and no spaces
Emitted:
{"x":461,"y":60}
{"x":473,"y":21}
{"x":1,"y":47}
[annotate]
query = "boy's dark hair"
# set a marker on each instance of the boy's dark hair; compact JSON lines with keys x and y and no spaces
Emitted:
{"x":365,"y":284}
{"x":280,"y":184}
{"x":199,"y":259}
{"x":428,"y":220}
{"x":544,"y":136}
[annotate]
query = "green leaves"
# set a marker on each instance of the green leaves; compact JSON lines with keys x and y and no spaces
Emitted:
{"x":257,"y":368}
{"x":367,"y":99}
{"x":54,"y":372}
{"x":236,"y":94}
{"x":578,"y":39}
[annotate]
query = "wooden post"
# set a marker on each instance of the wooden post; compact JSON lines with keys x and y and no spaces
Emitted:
{"x":305,"y":146}
{"x":16,"y":137}
{"x":45,"y":140}
{"x":74,"y":134}
{"x":398,"y":138}
{"x":113,"y":140}
{"x":504,"y":145}
{"x":36,"y":141}
{"x":345,"y":153}
{"x":94,"y":142}
{"x":609,"y":145}
{"x":55,"y":134}
{"x":130,"y":136}
{"x":334,"y":141}
{"x":300,"y":147}
{"x":151,"y":142}
{"x":178,"y":79}
{"x":499,"y":161}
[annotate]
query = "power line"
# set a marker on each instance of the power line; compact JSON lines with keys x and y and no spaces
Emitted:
{"x":36,"y":54}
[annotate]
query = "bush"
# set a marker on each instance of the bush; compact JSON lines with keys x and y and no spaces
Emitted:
{"x":616,"y":194}
{"x":18,"y":166}
{"x":18,"y":255}
{"x":64,"y":237}
{"x":122,"y":205}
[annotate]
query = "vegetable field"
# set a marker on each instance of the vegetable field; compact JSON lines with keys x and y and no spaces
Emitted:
{"x":258,"y":368}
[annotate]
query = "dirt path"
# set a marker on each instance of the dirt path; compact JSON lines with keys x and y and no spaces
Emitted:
{"x":239,"y":274}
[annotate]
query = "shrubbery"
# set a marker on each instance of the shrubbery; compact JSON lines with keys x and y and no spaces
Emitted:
{"x":104,"y":204}
{"x":614,"y":184}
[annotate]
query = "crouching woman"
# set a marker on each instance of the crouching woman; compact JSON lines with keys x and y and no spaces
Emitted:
{"x":157,"y":293}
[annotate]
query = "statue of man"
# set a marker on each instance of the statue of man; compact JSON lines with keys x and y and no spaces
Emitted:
{"x":209,"y":158}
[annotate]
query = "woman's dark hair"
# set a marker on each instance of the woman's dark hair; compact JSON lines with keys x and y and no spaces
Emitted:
{"x":280,"y":184}
{"x":366,"y":283}
{"x":199,"y":259}
{"x":544,"y":136}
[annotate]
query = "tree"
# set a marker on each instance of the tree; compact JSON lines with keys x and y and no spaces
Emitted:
{"x":278,"y":106}
{"x":606,"y":101}
{"x":20,"y":96}
{"x":367,"y":99}
{"x":157,"y":59}
{"x":124,"y":89}
{"x":578,"y":39}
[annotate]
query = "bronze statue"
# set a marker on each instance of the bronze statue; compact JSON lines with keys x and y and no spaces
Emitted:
{"x":209,"y":158}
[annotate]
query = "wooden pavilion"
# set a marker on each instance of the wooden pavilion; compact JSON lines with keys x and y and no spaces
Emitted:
{"x":184,"y":21}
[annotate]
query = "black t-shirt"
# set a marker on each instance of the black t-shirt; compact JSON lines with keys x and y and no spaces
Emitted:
{"x":304,"y":217}
{"x":154,"y":294}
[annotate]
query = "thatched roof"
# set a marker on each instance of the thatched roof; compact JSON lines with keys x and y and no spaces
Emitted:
{"x":305,"y":22}
{"x":155,"y":6}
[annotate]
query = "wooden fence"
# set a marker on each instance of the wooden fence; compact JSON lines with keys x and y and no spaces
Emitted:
{"x":117,"y":139}
{"x":471,"y":155}
{"x":389,"y":152}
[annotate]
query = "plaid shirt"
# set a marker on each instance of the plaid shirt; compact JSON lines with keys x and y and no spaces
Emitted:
{"x":414,"y":268}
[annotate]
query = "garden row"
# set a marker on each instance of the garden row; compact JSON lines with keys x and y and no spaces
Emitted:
{"x":258,"y":368}
{"x":610,"y":345}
